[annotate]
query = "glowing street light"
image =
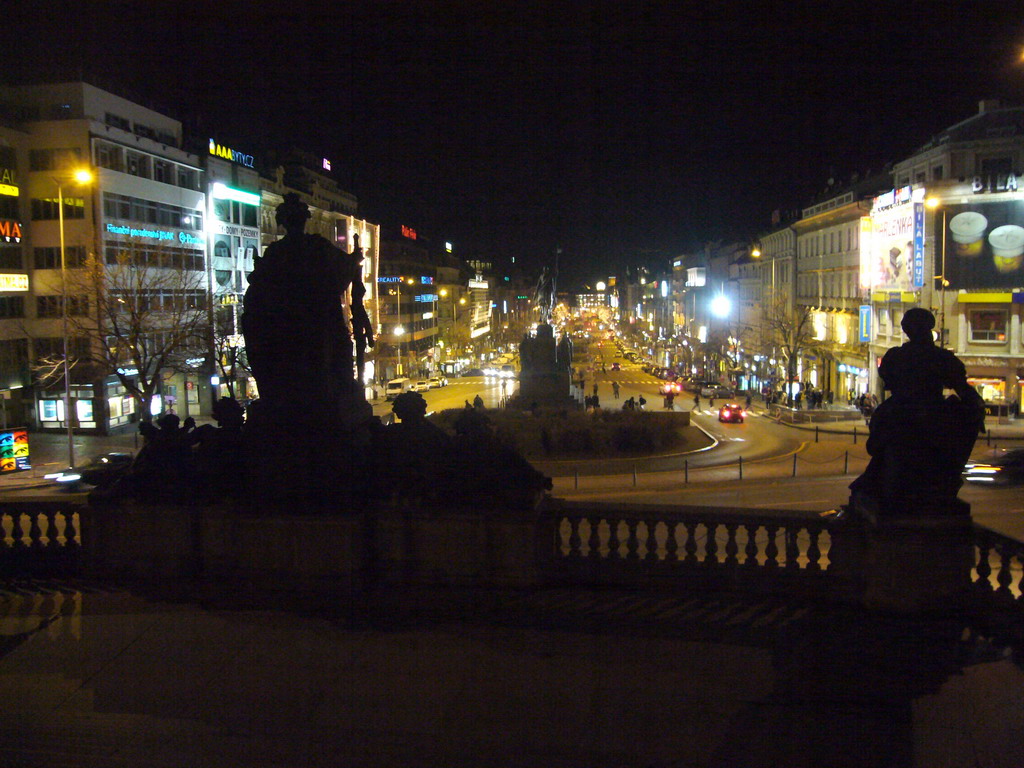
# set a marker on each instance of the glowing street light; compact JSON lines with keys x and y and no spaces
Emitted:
{"x":721,"y":306}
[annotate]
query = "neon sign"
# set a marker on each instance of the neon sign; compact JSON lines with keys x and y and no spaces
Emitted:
{"x":12,"y":282}
{"x":8,"y":184}
{"x":327,"y":164}
{"x":224,"y":192}
{"x":408,"y":232}
{"x":10,"y":230}
{"x":185,"y":238}
{"x":230,"y":154}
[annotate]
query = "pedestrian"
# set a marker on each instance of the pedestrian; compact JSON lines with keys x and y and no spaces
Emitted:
{"x":670,"y":401}
{"x":696,"y":401}
{"x":748,"y":401}
{"x":615,"y":389}
{"x":478,"y":402}
{"x":641,"y":402}
{"x":711,"y":402}
{"x":595,"y":389}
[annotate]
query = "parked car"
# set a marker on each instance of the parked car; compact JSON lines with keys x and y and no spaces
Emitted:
{"x":1007,"y":469}
{"x":437,"y":381}
{"x":395,"y":387}
{"x":420,"y":386}
{"x":732,"y":413}
{"x":473,"y":372}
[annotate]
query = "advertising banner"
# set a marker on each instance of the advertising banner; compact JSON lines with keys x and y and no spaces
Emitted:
{"x":984,"y":244}
{"x":892,"y":241}
{"x":14,"y":450}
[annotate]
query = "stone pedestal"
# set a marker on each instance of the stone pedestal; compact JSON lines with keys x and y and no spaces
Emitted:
{"x":919,"y":563}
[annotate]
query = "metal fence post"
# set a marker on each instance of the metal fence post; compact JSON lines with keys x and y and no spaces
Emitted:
{"x":577,"y":479}
{"x":794,"y":465}
{"x":815,"y":433}
{"x":741,"y":467}
{"x":846,"y":463}
{"x":854,"y":434}
{"x":634,"y":475}
{"x":686,"y":470}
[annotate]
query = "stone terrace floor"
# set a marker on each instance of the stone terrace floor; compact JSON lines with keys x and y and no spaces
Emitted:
{"x":96,"y":675}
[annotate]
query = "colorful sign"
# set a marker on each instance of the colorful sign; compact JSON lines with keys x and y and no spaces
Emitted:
{"x":222,"y":191}
{"x":892,"y":241}
{"x":864,"y":323}
{"x":13,"y":282}
{"x":8,"y":182}
{"x":408,"y":232}
{"x":230,"y":154}
{"x":983,"y":245}
{"x":14,"y":450}
{"x":10,"y":230}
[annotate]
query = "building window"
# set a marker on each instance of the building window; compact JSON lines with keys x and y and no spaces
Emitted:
{"x":938,"y":172}
{"x":49,"y":257}
{"x":50,"y":306}
{"x":46,"y":208}
{"x":988,"y":325}
{"x":10,"y":258}
{"x":109,"y":156}
{"x":117,"y":121}
{"x":137,"y":164}
{"x":12,"y":306}
{"x":163,"y":171}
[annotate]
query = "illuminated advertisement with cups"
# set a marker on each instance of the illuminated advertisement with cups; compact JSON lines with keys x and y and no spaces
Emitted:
{"x":984,"y":244}
{"x":892,"y":241}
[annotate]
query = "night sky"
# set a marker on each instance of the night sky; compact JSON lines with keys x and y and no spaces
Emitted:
{"x":616,"y":131}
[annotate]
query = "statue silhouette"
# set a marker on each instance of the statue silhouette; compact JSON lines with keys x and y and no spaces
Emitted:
{"x":919,"y":441}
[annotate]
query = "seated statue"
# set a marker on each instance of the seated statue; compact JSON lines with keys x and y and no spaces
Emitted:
{"x":296,"y":331}
{"x":919,"y":441}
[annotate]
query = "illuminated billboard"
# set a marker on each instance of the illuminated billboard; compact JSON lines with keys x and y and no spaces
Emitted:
{"x":984,"y":243}
{"x":892,"y":241}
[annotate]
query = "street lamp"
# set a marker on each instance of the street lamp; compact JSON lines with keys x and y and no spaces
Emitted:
{"x":80,"y":176}
{"x":933,"y":203}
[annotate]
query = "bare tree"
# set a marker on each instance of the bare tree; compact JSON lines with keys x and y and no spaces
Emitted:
{"x":791,"y":330}
{"x":137,"y":314}
{"x":229,"y":347}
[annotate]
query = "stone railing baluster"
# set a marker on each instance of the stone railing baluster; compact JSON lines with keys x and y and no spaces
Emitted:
{"x":711,"y":545}
{"x":16,"y":531}
{"x":771,"y":550}
{"x":691,"y":543}
{"x":731,"y":548}
{"x":70,"y":534}
{"x":750,"y":551}
{"x":671,"y":543}
{"x":613,"y":538}
{"x":813,"y":551}
{"x":651,"y":544}
{"x":792,"y":549}
{"x":594,"y":541}
{"x":982,"y":566}
{"x":633,"y":540}
{"x":575,"y":544}
{"x":35,"y":533}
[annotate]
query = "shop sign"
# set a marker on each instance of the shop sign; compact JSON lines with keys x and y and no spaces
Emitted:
{"x":408,"y":232}
{"x":222,"y":191}
{"x":10,"y":230}
{"x":984,"y":243}
{"x":230,"y":154}
{"x":14,"y":450}
{"x":326,"y":164}
{"x":13,"y":282}
{"x":864,"y":323}
{"x":235,"y":230}
{"x":8,"y":182}
{"x":478,"y":284}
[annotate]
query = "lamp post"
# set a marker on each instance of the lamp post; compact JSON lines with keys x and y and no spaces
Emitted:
{"x":933,"y":203}
{"x":80,"y":176}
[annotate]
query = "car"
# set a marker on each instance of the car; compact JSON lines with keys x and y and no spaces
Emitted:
{"x":671,"y":388}
{"x":1007,"y":469}
{"x":507,"y":371}
{"x":473,"y":372}
{"x":420,"y":386}
{"x":616,"y":367}
{"x":437,"y":381}
{"x":732,"y":413}
{"x":101,"y":471}
{"x":715,"y":390}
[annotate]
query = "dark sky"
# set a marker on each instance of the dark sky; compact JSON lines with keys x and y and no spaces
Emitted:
{"x":610,"y":129}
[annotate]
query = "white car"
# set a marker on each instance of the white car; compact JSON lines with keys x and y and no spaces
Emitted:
{"x":437,"y":381}
{"x":420,"y":386}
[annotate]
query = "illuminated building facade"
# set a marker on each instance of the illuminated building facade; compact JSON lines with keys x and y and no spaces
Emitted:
{"x":146,"y":201}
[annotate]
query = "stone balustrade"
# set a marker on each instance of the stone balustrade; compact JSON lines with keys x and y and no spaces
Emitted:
{"x":794,"y":553}
{"x":40,"y":538}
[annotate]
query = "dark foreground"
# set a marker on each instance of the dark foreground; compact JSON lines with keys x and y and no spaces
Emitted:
{"x":94,"y":675}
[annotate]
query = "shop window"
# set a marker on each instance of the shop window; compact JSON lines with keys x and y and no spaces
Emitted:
{"x":51,"y":410}
{"x":84,"y":410}
{"x":991,"y":390}
{"x":44,"y":209}
{"x":988,"y":325}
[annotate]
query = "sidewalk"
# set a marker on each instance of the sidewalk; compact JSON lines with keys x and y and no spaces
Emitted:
{"x":994,"y":427}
